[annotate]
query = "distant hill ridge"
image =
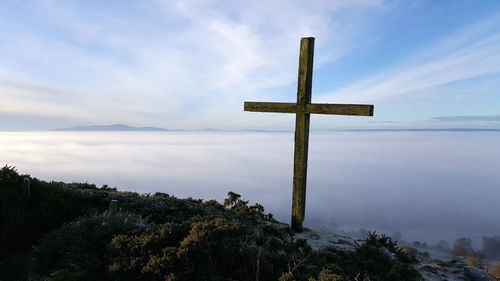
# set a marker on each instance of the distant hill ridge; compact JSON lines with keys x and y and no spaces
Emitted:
{"x":127,"y":128}
{"x":114,"y":127}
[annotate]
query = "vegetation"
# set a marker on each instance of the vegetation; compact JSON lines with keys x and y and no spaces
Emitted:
{"x":462,"y":247}
{"x":66,"y":234}
{"x":494,"y":269}
{"x":477,"y":260}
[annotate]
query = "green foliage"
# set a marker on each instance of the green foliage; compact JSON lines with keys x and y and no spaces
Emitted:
{"x":287,"y":276}
{"x":234,"y":203}
{"x":199,"y":249}
{"x":149,"y":254}
{"x":202,"y":249}
{"x":327,"y":275}
{"x":77,"y":250}
{"x":372,"y":262}
{"x":367,"y":262}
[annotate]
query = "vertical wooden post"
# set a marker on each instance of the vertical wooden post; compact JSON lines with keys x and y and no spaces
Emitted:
{"x":302,"y":133}
{"x":27,"y":194}
{"x":113,"y":208}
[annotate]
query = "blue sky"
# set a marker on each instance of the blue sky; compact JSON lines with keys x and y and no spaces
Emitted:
{"x":192,"y":64}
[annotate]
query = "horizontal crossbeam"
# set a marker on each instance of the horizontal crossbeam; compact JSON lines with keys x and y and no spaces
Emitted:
{"x":340,"y":109}
{"x":312,"y":108}
{"x":282,"y":107}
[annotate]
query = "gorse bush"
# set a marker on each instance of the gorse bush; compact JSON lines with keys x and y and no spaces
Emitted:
{"x":77,"y":251}
{"x":372,"y":260}
{"x":68,"y":236}
{"x":202,"y":250}
{"x":216,"y":246}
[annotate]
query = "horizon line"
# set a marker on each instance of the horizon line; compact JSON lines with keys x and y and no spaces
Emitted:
{"x":273,"y":131}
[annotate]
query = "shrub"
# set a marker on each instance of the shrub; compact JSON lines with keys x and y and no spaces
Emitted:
{"x":476,"y":260}
{"x":150,"y":254}
{"x":211,"y":247}
{"x":77,"y":251}
{"x":327,"y":275}
{"x":462,"y":247}
{"x":372,"y":263}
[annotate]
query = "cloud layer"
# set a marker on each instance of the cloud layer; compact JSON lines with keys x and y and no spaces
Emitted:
{"x":427,"y":185}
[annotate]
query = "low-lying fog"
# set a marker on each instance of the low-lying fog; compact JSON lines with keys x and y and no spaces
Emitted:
{"x":426,"y":185}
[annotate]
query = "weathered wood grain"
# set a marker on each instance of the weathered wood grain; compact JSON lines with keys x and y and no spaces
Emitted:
{"x":312,"y":108}
{"x":302,"y":133}
{"x":340,"y":109}
{"x":281,"y":107}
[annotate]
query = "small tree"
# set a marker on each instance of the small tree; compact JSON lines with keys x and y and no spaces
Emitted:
{"x":462,"y":247}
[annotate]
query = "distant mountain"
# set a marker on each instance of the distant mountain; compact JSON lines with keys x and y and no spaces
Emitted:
{"x":115,"y":127}
{"x":212,"y":130}
{"x":209,"y":130}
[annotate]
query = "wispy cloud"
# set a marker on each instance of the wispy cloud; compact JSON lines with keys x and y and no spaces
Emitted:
{"x":151,"y":67}
{"x":468,"y":53}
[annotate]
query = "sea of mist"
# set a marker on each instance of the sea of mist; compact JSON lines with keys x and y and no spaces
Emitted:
{"x":427,"y":185}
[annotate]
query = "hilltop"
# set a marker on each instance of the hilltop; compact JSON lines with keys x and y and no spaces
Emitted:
{"x":69,"y":231}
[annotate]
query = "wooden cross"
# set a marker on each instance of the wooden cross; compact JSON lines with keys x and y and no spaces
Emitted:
{"x":302,"y":109}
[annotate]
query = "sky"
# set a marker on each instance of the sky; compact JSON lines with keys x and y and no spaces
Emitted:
{"x":191,"y":64}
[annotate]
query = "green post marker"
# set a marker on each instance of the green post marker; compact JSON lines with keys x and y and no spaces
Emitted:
{"x":113,"y":208}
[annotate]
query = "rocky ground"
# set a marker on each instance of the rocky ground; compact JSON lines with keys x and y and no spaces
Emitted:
{"x":430,"y":269}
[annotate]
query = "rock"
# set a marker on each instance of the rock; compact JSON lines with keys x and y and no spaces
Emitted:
{"x":476,"y":274}
{"x":454,"y":270}
{"x":459,"y":260}
{"x":321,"y":240}
{"x":438,"y":272}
